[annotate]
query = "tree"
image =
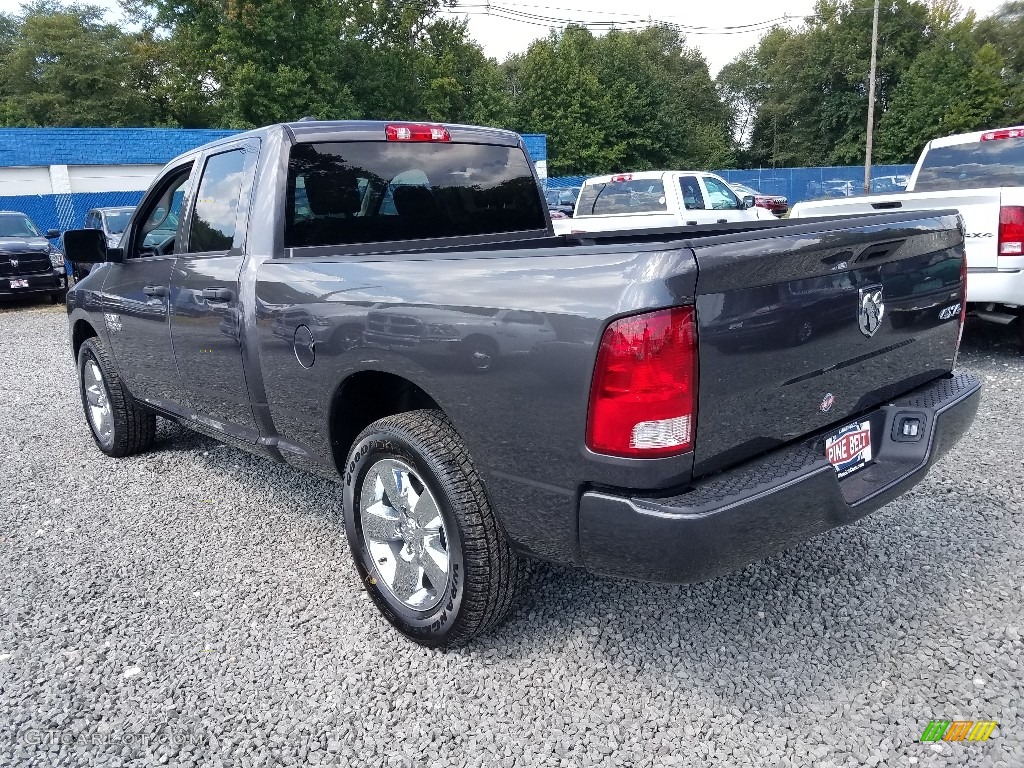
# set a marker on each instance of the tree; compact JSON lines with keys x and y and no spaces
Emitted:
{"x":626,"y":101}
{"x":808,"y":87}
{"x":63,"y":66}
{"x":1004,"y":31}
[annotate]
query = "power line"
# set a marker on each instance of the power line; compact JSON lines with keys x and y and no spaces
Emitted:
{"x":512,"y":13}
{"x":525,"y":13}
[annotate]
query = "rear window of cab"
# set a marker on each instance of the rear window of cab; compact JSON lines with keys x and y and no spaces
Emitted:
{"x":992,"y":163}
{"x":622,"y":197}
{"x":346,"y":193}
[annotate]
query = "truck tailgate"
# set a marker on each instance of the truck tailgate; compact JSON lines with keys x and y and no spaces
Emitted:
{"x":979,"y":208}
{"x":800,"y":332}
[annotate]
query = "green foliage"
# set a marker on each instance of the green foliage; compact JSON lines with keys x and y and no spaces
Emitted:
{"x":624,"y":101}
{"x":64,"y":67}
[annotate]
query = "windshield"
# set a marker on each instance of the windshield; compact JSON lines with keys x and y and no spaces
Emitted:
{"x":998,"y":163}
{"x":633,"y":196}
{"x":17,"y":225}
{"x":117,"y":221}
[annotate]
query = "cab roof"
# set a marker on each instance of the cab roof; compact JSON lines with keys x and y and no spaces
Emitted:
{"x":318,"y":131}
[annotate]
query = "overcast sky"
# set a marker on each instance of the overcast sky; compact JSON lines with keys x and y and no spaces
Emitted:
{"x":720,"y":29}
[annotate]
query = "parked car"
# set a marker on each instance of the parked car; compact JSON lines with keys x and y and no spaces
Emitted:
{"x":652,"y":199}
{"x":112,"y":222}
{"x":562,"y":199}
{"x":839,"y":188}
{"x":980,"y":174}
{"x":888,"y":184}
{"x":30,"y":265}
{"x":619,"y":459}
{"x":777,"y":204}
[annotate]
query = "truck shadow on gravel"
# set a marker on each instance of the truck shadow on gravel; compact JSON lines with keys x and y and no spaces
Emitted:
{"x":853,"y":602}
{"x":846,"y":602}
{"x":991,"y":338}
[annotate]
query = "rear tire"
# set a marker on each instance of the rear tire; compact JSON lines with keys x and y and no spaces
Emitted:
{"x":424,"y":539}
{"x":118,"y":425}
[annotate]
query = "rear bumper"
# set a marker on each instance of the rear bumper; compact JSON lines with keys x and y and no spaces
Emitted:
{"x":995,"y":287}
{"x":38,"y":283}
{"x":774,"y":502}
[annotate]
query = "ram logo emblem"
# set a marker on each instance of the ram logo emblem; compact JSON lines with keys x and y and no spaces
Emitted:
{"x":870,"y":310}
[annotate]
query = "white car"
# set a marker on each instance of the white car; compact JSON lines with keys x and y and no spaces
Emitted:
{"x":980,"y":174}
{"x":650,"y":199}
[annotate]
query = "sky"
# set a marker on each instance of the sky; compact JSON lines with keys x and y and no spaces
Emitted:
{"x":719,"y":31}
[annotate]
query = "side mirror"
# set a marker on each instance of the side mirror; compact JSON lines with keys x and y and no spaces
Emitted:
{"x":749,"y":201}
{"x":89,"y":246}
{"x":52,"y":233}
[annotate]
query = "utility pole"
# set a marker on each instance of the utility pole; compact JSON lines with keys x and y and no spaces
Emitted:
{"x":871,"y":102}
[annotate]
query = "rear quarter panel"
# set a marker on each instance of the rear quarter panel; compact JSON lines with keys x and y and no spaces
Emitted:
{"x":524,"y":418}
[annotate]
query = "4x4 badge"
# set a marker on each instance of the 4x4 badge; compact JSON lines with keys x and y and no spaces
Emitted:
{"x":870,"y":310}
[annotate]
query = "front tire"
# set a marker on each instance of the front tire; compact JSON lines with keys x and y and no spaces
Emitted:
{"x":118,"y":425}
{"x":423,"y":536}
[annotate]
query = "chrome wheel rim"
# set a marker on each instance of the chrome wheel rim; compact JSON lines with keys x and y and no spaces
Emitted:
{"x":97,"y":401}
{"x":404,"y":534}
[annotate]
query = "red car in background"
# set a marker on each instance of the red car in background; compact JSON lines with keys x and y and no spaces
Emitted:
{"x":777,"y":204}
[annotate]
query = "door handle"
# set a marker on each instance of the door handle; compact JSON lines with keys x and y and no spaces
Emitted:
{"x":216,"y":294}
{"x":155,"y":290}
{"x":723,"y":221}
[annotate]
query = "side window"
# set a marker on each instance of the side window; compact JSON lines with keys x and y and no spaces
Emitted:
{"x":156,"y":235}
{"x":90,"y":221}
{"x":720,"y":196}
{"x":216,"y":208}
{"x":693,"y":198}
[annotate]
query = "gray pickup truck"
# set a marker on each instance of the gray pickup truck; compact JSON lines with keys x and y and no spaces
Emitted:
{"x":386,"y":304}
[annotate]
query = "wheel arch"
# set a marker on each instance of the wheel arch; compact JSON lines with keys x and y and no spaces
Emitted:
{"x":366,"y":396}
{"x":80,"y":331}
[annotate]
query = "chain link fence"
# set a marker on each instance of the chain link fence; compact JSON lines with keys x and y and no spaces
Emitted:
{"x":65,"y":212}
{"x":798,"y":184}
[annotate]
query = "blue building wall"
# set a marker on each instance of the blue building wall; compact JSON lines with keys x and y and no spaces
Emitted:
{"x":100,"y":146}
{"x":129,"y":146}
{"x":111,"y":146}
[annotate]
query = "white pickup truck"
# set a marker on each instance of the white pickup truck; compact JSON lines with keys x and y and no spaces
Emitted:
{"x":649,"y":199}
{"x":982,"y":175}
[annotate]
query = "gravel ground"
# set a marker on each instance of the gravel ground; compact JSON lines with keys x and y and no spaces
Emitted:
{"x":196,"y":606}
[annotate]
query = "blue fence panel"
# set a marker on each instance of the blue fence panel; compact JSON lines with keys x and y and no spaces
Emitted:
{"x":798,"y":184}
{"x":66,"y":211}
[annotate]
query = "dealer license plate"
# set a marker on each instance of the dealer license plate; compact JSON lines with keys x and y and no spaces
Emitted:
{"x":849,"y":449}
{"x":19,"y":283}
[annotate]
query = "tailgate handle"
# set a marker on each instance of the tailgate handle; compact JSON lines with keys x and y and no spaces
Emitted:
{"x":888,"y":204}
{"x":216,"y":294}
{"x":155,"y":290}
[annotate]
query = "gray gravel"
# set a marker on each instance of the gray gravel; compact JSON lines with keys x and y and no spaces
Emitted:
{"x":196,"y":606}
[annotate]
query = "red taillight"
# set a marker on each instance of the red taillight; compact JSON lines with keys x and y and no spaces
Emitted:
{"x":1005,"y":133}
{"x":644,"y":394}
{"x":1011,"y":230}
{"x":963,"y":306}
{"x":416,"y":132}
{"x":623,"y":177}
